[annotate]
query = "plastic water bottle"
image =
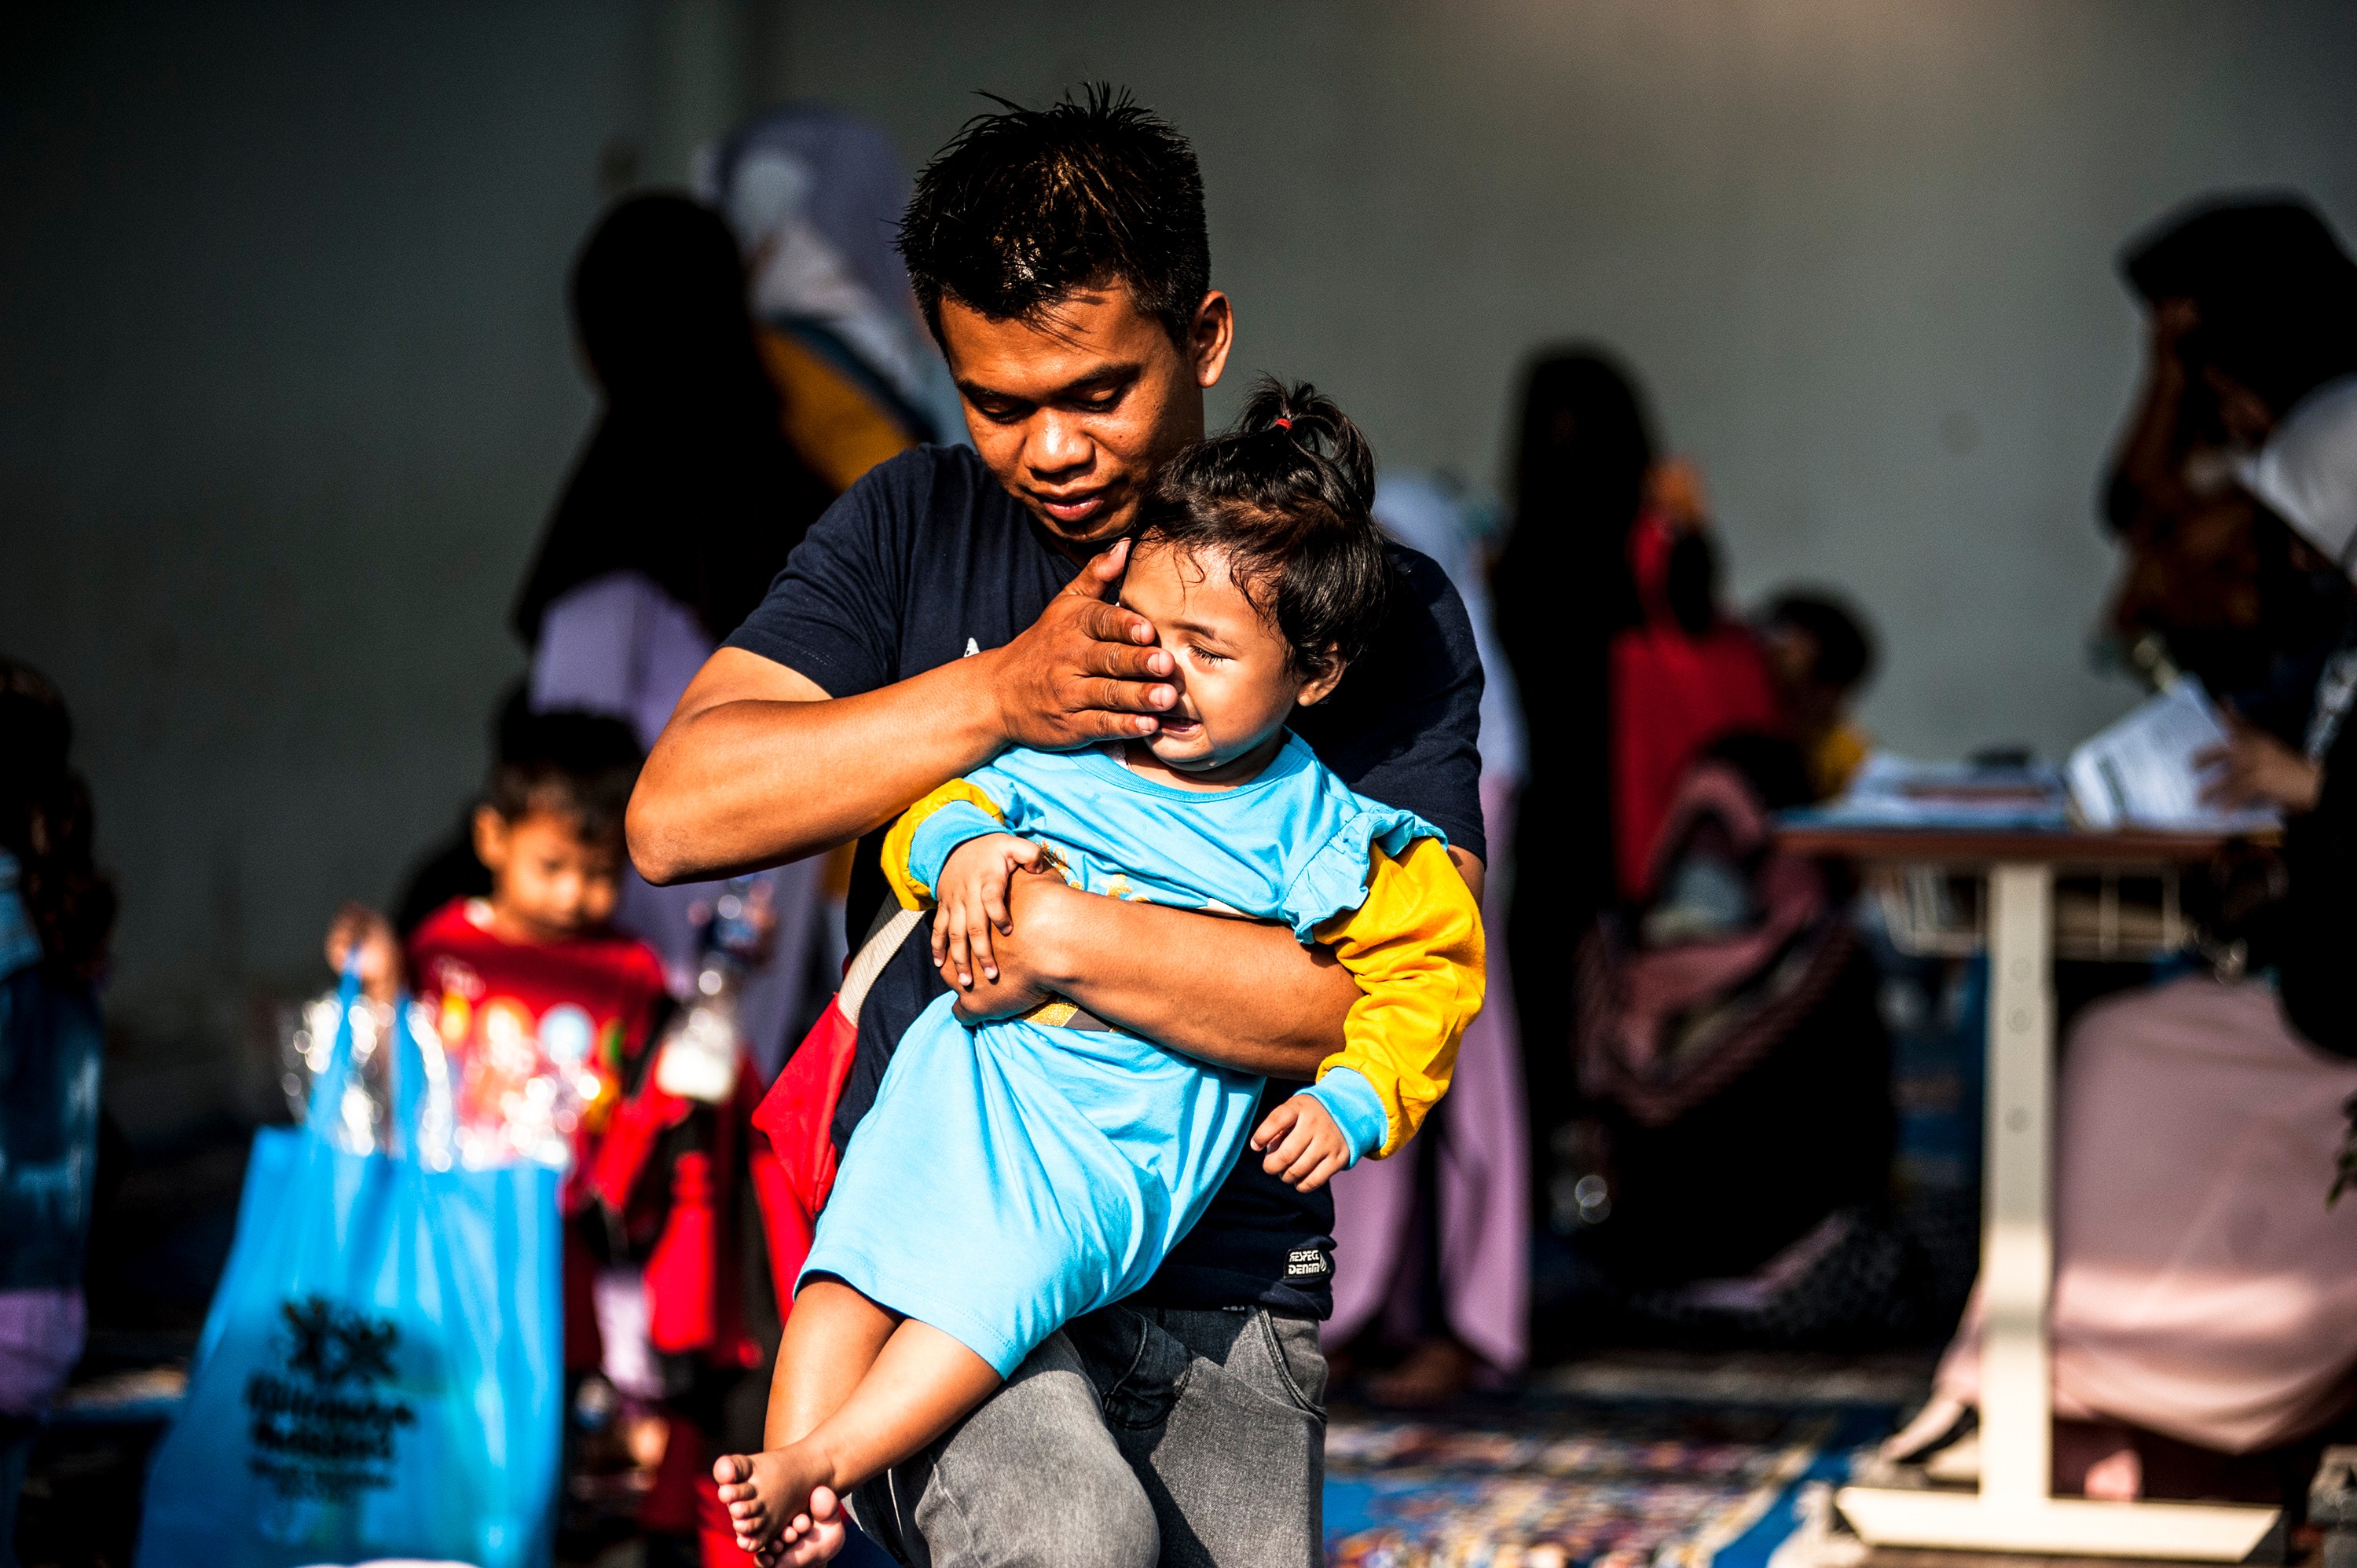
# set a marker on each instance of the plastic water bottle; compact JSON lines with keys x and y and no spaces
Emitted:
{"x":702,"y":1046}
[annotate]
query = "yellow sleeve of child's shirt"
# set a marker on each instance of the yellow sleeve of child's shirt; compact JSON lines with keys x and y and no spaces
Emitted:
{"x":913,"y":894}
{"x":1413,"y":945}
{"x":1834,"y":760}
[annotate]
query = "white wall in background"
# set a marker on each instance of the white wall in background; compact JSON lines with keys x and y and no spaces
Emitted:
{"x":1861,"y":253}
{"x":287,"y":389}
{"x":286,"y":386}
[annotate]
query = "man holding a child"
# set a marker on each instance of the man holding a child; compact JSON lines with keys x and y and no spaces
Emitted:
{"x":954,"y":603}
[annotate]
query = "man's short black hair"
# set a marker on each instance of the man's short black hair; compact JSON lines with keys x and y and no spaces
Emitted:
{"x":1025,"y":206}
{"x":578,"y":765}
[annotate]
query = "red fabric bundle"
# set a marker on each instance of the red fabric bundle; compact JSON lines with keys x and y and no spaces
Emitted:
{"x":793,"y":1129}
{"x":1672,"y":695}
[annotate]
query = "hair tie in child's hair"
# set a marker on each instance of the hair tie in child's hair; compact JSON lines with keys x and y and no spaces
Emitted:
{"x":1282,"y":422}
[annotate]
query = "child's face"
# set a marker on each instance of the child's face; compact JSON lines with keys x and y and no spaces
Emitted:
{"x":1809,"y":704}
{"x":548,"y":881}
{"x":1236,"y":684}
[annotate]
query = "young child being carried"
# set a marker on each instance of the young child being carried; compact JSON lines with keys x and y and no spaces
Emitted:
{"x":1016,"y":1175}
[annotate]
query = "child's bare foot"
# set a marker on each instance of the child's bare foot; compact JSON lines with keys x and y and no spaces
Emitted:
{"x":821,"y":1533}
{"x":783,"y":1510}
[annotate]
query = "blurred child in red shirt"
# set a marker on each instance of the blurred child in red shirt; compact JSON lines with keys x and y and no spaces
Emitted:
{"x":543,"y":1007}
{"x":548,"y":1014}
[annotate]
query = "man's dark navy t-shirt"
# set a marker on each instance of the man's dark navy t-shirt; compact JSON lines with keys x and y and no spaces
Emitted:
{"x":926,"y":558}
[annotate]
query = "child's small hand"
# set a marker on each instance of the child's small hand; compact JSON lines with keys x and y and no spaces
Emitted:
{"x":1304,"y":1145}
{"x":357,"y":926}
{"x":972,"y":899}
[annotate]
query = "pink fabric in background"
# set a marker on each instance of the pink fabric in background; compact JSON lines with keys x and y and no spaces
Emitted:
{"x":1484,"y":1180}
{"x":41,"y":1334}
{"x":2202,"y":1289}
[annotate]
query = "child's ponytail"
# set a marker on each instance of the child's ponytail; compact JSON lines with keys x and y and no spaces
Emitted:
{"x":1285,"y":496}
{"x":1306,"y":425}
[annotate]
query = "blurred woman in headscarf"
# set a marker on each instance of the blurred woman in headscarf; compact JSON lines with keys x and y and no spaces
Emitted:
{"x":2205,"y":1283}
{"x":679,"y":512}
{"x":1608,"y":615}
{"x":1432,"y":1254}
{"x":2208,"y":583}
{"x":814,"y":196}
{"x":683,"y":506}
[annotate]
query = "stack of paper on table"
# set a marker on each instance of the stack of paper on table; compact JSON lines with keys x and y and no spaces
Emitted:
{"x":1897,"y":792}
{"x":2140,"y":772}
{"x":2137,"y":773}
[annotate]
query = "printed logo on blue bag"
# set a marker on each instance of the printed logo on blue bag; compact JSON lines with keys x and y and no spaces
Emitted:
{"x":319,"y":1427}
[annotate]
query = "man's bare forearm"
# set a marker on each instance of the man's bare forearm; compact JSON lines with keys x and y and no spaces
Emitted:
{"x":759,"y":765}
{"x":1237,"y":994}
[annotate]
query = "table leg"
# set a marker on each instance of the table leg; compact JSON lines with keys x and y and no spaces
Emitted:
{"x":2014,"y":1510}
{"x":2017,"y":1235}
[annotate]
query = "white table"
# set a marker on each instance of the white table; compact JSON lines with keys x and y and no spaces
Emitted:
{"x":2015,"y":1510}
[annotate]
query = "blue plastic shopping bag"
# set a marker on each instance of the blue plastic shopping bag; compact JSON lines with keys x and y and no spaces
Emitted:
{"x":381,"y":1372}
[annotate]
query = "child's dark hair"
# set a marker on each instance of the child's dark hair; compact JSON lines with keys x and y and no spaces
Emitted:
{"x":1845,"y":655}
{"x":578,"y":765}
{"x":1284,"y":498}
{"x":1026,"y":205}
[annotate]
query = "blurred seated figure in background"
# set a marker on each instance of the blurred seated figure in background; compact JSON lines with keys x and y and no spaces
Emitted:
{"x":2209,"y":585}
{"x":1709,"y":1077}
{"x":1432,"y":1249}
{"x":1821,"y":656}
{"x":814,"y":195}
{"x":1734,"y":1158}
{"x":533,"y":972}
{"x":683,"y":505}
{"x":2205,"y":1293}
{"x":1606,"y":612}
{"x":55,"y":915}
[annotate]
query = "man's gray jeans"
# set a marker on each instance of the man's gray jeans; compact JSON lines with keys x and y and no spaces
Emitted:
{"x":1132,"y":1437}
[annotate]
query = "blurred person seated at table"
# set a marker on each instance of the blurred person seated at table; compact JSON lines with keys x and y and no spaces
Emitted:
{"x":1821,"y":656}
{"x":2209,"y":585}
{"x":2205,"y":1293}
{"x":1734,"y":1153}
{"x":1683,"y":673}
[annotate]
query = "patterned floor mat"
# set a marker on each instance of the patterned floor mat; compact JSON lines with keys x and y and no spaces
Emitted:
{"x":1546,"y":1482}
